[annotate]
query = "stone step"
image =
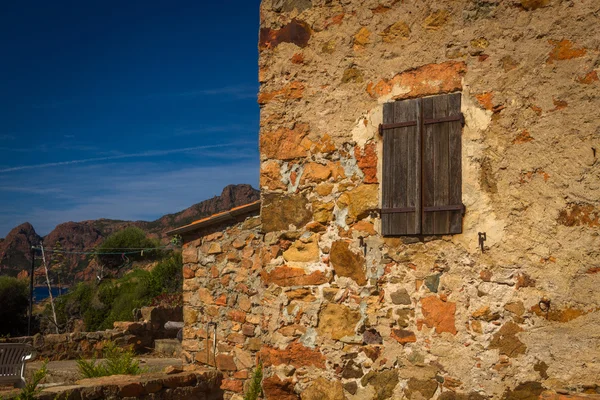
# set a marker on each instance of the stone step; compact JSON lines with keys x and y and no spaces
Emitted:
{"x":167,"y":347}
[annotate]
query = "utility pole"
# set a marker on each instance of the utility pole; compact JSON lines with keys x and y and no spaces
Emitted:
{"x":49,"y":288}
{"x":31,"y":290}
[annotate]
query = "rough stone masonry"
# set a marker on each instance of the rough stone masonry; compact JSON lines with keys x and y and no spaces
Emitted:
{"x":414,"y":317}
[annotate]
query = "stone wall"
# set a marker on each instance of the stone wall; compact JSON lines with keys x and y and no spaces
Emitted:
{"x":140,"y":336}
{"x":432,"y":316}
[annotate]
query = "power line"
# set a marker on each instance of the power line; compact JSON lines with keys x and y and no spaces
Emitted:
{"x":100,"y":252}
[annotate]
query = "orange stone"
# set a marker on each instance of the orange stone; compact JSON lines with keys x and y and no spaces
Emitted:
{"x":559,"y":104}
{"x":523,"y":137}
{"x":439,"y":314}
{"x":297,"y":58}
{"x":316,"y":173}
{"x":188,"y":273}
{"x":237,"y":316}
{"x":232,"y":385}
{"x":361,"y":37}
{"x":335,"y":20}
{"x":286,"y":144}
{"x":485,"y":99}
{"x":366,"y":159}
{"x":588,"y":78}
{"x":564,"y":50}
{"x":324,"y":145}
{"x":270,"y":175}
{"x":277,"y":389}
{"x":221,"y":300}
{"x":291,"y":91}
{"x":425,"y":80}
{"x":296,"y":32}
{"x":580,"y":214}
{"x":403,"y":336}
{"x":294,"y":354}
{"x":225,"y":363}
{"x":364,"y":226}
{"x":286,"y":276}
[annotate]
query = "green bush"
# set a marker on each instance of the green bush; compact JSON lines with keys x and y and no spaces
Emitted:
{"x":100,"y":305}
{"x":14,"y":299}
{"x":117,"y":361}
{"x":132,"y":237}
{"x":255,"y":389}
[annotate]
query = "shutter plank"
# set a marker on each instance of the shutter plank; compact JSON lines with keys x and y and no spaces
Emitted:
{"x":400,"y":169}
{"x":428,"y":168}
{"x":387,"y":181}
{"x":455,"y":161}
{"x":441,"y":156}
{"x":413,"y":178}
{"x":401,"y":113}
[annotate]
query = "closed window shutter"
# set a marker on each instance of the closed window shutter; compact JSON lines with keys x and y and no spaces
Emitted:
{"x":422,"y":174}
{"x":401,"y":194}
{"x":442,"y":172}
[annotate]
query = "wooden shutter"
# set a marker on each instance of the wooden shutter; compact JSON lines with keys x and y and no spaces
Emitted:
{"x":422,"y":174}
{"x":442,"y":172}
{"x":401,"y":194}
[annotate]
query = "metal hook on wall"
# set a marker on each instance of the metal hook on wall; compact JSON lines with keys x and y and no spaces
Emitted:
{"x":482,"y":239}
{"x":363,"y":244}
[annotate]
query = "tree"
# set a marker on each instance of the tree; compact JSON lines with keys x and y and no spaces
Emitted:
{"x":116,"y":251}
{"x":13,"y":310}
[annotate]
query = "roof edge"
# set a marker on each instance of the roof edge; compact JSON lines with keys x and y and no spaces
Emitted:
{"x":216,"y":218}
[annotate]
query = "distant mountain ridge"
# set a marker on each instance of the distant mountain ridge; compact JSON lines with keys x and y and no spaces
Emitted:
{"x":15,"y":249}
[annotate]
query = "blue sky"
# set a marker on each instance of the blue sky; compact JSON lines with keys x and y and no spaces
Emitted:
{"x":124,"y":109}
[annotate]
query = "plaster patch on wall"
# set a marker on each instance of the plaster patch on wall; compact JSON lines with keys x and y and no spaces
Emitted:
{"x":397,"y":91}
{"x":479,"y":216}
{"x":366,"y":128}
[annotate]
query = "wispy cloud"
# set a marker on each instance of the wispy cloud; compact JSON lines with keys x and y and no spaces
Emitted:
{"x":28,"y":190}
{"x":150,"y":153}
{"x":226,"y":128}
{"x":6,"y":137}
{"x":232,"y":92}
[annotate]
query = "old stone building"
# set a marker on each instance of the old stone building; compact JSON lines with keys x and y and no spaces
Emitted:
{"x":394,"y":136}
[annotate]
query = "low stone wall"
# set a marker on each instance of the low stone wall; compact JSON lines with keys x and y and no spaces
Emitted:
{"x":201,"y":384}
{"x":138,"y":335}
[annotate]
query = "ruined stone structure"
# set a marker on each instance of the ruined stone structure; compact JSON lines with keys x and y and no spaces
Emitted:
{"x":331,"y":307}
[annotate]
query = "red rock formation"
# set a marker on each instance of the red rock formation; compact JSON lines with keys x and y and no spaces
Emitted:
{"x":15,"y":249}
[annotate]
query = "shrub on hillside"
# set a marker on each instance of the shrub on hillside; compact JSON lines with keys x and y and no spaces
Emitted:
{"x":117,"y":361}
{"x":112,"y":252}
{"x":14,"y":299}
{"x":100,"y":305}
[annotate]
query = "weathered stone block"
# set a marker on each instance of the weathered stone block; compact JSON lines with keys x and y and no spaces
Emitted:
{"x":294,"y":354}
{"x":347,"y":263}
{"x":303,"y":250}
{"x":286,"y":276}
{"x":439,"y":314}
{"x":337,"y":321}
{"x":280,"y":211}
{"x":322,"y":389}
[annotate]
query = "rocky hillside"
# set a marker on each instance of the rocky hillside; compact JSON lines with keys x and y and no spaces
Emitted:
{"x":15,"y":249}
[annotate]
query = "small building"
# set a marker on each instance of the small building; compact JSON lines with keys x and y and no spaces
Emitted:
{"x":430,"y":207}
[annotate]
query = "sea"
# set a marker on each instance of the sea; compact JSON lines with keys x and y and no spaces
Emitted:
{"x":40,"y":293}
